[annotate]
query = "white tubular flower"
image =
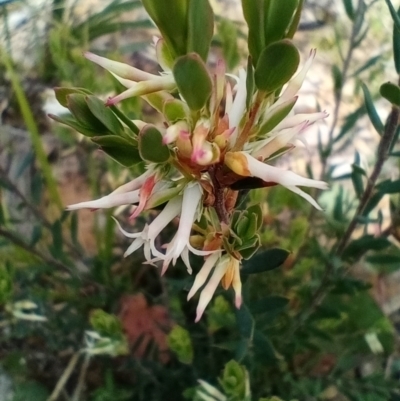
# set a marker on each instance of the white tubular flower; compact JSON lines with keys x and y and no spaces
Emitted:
{"x":227,"y":270}
{"x":244,"y":164}
{"x":296,"y":82}
{"x":202,"y":275}
{"x":191,"y":199}
{"x":111,"y":200}
{"x":295,"y":120}
{"x":146,"y":238}
{"x":236,"y":111}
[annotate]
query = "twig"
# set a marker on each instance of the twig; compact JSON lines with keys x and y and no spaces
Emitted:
{"x":62,"y":381}
{"x":22,"y":244}
{"x":36,"y":211}
{"x":81,"y":379}
{"x":383,"y":151}
{"x":339,"y":93}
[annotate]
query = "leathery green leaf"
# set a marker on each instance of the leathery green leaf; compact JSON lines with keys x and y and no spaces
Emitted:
{"x":265,"y":261}
{"x":372,"y":113}
{"x":193,"y":80}
{"x":391,"y":92}
{"x":120,"y":149}
{"x":200,"y":27}
{"x":171,"y":18}
{"x":276,"y":65}
{"x":70,"y":121}
{"x":77,"y":105}
{"x":253,"y":11}
{"x":396,"y":46}
{"x":278,"y":18}
{"x":249,"y":82}
{"x":62,"y":93}
{"x":175,"y":110}
{"x":151,"y":145}
{"x":104,"y":114}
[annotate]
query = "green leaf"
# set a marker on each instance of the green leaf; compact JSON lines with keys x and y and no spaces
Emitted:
{"x":384,"y":260}
{"x":228,"y":36}
{"x":372,"y":113}
{"x":249,"y":82}
{"x":120,"y":149}
{"x":276,"y":65}
{"x":245,"y":322}
{"x":365,"y":243}
{"x":273,"y":303}
{"x":356,"y":177}
{"x":337,"y":78}
{"x":200,"y":27}
{"x":171,"y":18}
{"x":395,"y":17}
{"x":80,"y":110}
{"x":278,"y":17}
{"x":264,"y":351}
{"x":175,"y":110}
{"x":105,"y":115}
{"x":391,"y":92}
{"x":151,"y":147}
{"x":374,"y":200}
{"x":348,"y":6}
{"x":193,"y":80}
{"x":265,"y":261}
{"x":57,"y":247}
{"x":180,"y":343}
{"x":70,"y":121}
{"x":396,"y":46}
{"x":389,"y":187}
{"x":253,"y":11}
{"x":277,"y":116}
{"x":62,"y":94}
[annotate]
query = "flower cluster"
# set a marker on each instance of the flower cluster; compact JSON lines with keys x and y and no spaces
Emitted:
{"x":208,"y":153}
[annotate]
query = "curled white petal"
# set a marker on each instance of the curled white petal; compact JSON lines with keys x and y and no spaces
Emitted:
{"x":108,"y":201}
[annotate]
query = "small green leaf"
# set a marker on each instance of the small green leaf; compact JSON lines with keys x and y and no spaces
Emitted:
{"x":175,"y":110}
{"x":104,"y":114}
{"x":200,"y":27}
{"x":337,"y":78}
{"x":249,"y":82}
{"x":180,"y":343}
{"x":151,"y":145}
{"x":391,"y":92}
{"x":389,"y":187}
{"x":120,"y":149}
{"x":171,"y":18}
{"x":62,"y":93}
{"x":363,"y":244}
{"x":80,"y":110}
{"x":395,"y":17}
{"x":70,"y":121}
{"x":278,"y":17}
{"x":396,"y":46}
{"x":348,"y":6}
{"x":193,"y":80}
{"x":233,"y":381}
{"x":265,"y":261}
{"x":245,"y":322}
{"x":279,"y":113}
{"x":372,"y":113}
{"x":356,"y":176}
{"x":253,"y":11}
{"x":227,"y":32}
{"x":384,"y":259}
{"x":273,"y":303}
{"x":276,"y":65}
{"x":372,"y":203}
{"x":264,"y":352}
